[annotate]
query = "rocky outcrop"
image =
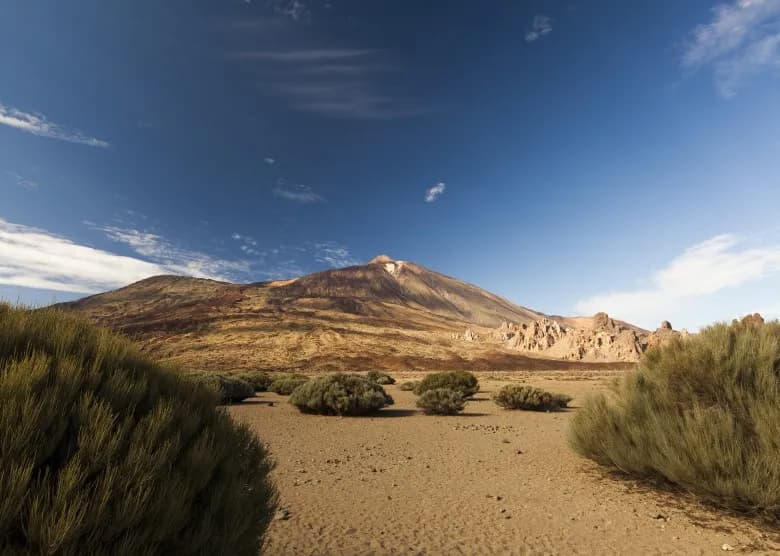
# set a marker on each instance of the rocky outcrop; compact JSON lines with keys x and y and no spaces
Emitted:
{"x":604,"y":340}
{"x":470,"y":335}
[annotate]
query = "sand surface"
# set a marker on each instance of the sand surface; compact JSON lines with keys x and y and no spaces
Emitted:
{"x":487,"y":482}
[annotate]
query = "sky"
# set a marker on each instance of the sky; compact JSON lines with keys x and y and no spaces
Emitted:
{"x":573,"y":157}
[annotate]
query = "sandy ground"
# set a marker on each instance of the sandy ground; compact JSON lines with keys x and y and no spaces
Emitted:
{"x":487,"y":482}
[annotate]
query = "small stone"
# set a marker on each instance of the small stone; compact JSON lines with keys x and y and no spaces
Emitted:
{"x":727,"y":547}
{"x":282,"y":514}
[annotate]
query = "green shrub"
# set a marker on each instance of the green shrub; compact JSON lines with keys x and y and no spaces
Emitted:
{"x":700,"y":413}
{"x":285,"y":385}
{"x":104,"y":452}
{"x":340,"y":394}
{"x":380,"y":378}
{"x":530,"y":398}
{"x":231,"y":389}
{"x":462,"y":381}
{"x":441,"y":401}
{"x":259,"y":380}
{"x":409,"y":386}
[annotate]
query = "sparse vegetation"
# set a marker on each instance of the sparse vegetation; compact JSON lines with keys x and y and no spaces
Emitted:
{"x":380,"y":378}
{"x":231,"y":389}
{"x":340,"y":394}
{"x":700,"y":413}
{"x":259,"y":380}
{"x":409,"y":386}
{"x":514,"y":396}
{"x":285,"y":384}
{"x":461,"y":381}
{"x":104,"y":452}
{"x":441,"y":401}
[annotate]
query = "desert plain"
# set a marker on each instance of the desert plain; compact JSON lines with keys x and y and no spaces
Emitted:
{"x":488,"y":481}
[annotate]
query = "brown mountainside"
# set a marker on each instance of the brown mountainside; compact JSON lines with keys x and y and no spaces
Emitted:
{"x":383,"y":315}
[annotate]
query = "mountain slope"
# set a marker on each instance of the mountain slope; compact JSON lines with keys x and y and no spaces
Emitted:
{"x":383,"y":315}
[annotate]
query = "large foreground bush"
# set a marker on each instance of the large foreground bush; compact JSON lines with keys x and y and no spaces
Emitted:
{"x":340,"y":394}
{"x":104,"y":452}
{"x":513,"y":396}
{"x":462,"y":381}
{"x":441,"y":401}
{"x":701,"y":413}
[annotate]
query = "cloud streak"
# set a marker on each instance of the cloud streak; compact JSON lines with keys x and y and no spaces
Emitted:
{"x":741,"y":41}
{"x":21,"y":181}
{"x":37,"y":124}
{"x":434,"y":192}
{"x":297,"y":193}
{"x":704,"y":269}
{"x":541,"y":26}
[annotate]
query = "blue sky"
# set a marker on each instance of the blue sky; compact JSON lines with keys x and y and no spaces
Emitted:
{"x":571,"y":156}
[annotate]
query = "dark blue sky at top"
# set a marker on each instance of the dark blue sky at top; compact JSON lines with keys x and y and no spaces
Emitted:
{"x":575,"y":164}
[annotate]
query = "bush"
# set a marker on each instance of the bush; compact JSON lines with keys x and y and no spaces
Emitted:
{"x":700,"y":413}
{"x":259,"y":380}
{"x":441,"y":401}
{"x":285,"y":385}
{"x":530,"y":398}
{"x":229,"y":388}
{"x":409,"y":386}
{"x":380,"y":378}
{"x":104,"y":452}
{"x":340,"y":394}
{"x":464,"y":382}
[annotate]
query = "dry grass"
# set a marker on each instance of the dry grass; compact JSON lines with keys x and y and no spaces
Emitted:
{"x":530,"y":398}
{"x":104,"y":452}
{"x":702,"y":414}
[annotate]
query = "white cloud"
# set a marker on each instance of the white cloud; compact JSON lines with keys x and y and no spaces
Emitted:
{"x":175,"y":259}
{"x":270,"y":161}
{"x":247,"y":244}
{"x":21,"y":181}
{"x":742,"y":40}
{"x":297,"y":193}
{"x":337,"y":256}
{"x":433,"y":193}
{"x":541,"y":26}
{"x":720,"y":263}
{"x":37,"y":124}
{"x":34,"y":258}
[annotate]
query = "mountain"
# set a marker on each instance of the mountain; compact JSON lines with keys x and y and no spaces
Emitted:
{"x":387,"y":314}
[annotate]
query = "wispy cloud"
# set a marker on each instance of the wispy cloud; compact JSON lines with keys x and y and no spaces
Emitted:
{"x":21,"y":181}
{"x":343,"y":83}
{"x":174,"y":259}
{"x":314,"y":55}
{"x":297,"y":193}
{"x":333,"y":254}
{"x":294,"y":9}
{"x":37,"y":124}
{"x":541,"y":26}
{"x":270,"y":161}
{"x":703,"y":269}
{"x":434,"y":192}
{"x":741,"y":41}
{"x":247,"y":244}
{"x":34,"y":258}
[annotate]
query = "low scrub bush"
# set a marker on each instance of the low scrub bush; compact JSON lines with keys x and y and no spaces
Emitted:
{"x":380,"y":378}
{"x":441,"y":401}
{"x":340,"y":394}
{"x":700,"y":413}
{"x":259,"y":380}
{"x":530,"y":398}
{"x":230,"y":389}
{"x":286,"y":384}
{"x":104,"y":452}
{"x":409,"y":386}
{"x":462,"y":381}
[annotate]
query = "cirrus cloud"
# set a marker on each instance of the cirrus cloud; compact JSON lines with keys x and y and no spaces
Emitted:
{"x":37,"y":124}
